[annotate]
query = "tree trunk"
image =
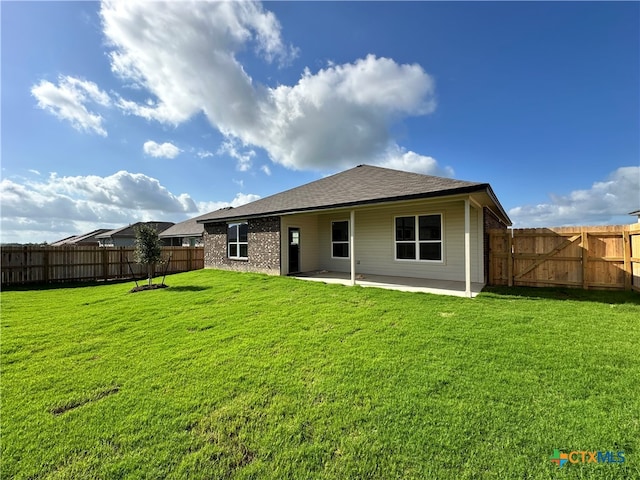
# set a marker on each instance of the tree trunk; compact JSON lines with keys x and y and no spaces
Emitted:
{"x":149,"y":269}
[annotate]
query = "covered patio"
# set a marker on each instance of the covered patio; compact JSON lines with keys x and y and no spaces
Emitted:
{"x":405,"y":284}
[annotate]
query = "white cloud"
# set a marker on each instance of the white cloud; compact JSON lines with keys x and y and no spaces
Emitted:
{"x":68,"y":100}
{"x":185,"y":55}
{"x":27,"y":230}
{"x":204,"y":154}
{"x":239,"y":199}
{"x":401,"y":159}
{"x":72,"y":204}
{"x":51,"y":209}
{"x":165,"y":150}
{"x":266,"y":169}
{"x":341,"y":115}
{"x":244,"y":159}
{"x":608,"y":201}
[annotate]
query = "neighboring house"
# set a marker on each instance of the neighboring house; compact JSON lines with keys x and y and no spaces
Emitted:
{"x":126,"y":236}
{"x":85,"y":240}
{"x":366,"y":220}
{"x":637,"y":213}
{"x":184,"y":234}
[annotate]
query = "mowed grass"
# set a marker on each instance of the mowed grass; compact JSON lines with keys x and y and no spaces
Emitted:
{"x":229,"y":375}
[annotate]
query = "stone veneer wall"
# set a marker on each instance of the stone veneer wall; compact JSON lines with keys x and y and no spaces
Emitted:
{"x":490,"y":221}
{"x":263,"y":247}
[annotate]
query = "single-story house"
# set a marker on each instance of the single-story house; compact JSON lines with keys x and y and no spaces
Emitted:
{"x":126,"y":236}
{"x":636,"y":213}
{"x":366,"y":220}
{"x":184,"y":234}
{"x":85,"y":239}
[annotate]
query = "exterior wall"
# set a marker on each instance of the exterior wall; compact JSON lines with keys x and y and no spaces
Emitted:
{"x":477,"y":258}
{"x":325,"y":260}
{"x":263,"y":247}
{"x":118,"y":242}
{"x":375,"y":246}
{"x":182,"y":241}
{"x":309,"y":242}
{"x":171,"y":242}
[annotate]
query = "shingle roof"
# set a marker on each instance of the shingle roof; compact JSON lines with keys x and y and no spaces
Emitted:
{"x":188,"y":228}
{"x":364,"y":184}
{"x":63,"y":241}
{"x":129,"y":230}
{"x":75,"y":239}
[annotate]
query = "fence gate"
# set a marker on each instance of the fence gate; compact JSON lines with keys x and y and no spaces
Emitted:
{"x":584,"y":257}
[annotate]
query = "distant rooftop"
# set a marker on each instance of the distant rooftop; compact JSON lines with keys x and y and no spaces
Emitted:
{"x":188,"y":228}
{"x":78,"y":239}
{"x":129,"y":230}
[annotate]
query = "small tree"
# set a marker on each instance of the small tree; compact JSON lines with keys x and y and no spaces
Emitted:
{"x":148,"y":250}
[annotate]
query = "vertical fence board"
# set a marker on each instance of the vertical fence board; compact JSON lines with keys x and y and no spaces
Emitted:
{"x":634,"y":255}
{"x":584,"y":257}
{"x":498,"y":258}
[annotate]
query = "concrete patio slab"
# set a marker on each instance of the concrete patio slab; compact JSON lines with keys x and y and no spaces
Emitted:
{"x":405,"y":284}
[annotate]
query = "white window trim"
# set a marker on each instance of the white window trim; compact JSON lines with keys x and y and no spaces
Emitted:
{"x":417,"y":242}
{"x":348,"y":257}
{"x":237,"y":242}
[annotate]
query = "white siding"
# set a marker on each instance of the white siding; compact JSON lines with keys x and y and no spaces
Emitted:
{"x":375,"y":246}
{"x":326,"y":261}
{"x":477,"y":248}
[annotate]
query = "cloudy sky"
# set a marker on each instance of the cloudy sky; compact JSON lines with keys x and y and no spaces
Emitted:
{"x":116,"y":112}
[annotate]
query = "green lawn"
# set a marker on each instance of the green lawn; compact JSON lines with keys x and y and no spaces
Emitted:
{"x":228,"y":375}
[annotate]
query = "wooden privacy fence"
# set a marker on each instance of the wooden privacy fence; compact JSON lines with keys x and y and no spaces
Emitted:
{"x":34,"y":264}
{"x":605,"y":257}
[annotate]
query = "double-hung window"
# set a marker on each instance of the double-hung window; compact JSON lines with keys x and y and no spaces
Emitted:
{"x":237,"y":240}
{"x":340,"y":239}
{"x":419,"y":237}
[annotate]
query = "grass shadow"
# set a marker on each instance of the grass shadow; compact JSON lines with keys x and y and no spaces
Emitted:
{"x":559,"y":293}
{"x":187,"y":288}
{"x":25,"y":287}
{"x":61,"y":285}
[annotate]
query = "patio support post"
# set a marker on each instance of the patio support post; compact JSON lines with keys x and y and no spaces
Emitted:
{"x":352,"y":246}
{"x":467,"y":248}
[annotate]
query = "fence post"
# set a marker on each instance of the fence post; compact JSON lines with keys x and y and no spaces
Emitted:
{"x":626,"y":240}
{"x":634,"y":233}
{"x":585,"y":257}
{"x":45,"y":265}
{"x":25,"y":262}
{"x":105,"y":263}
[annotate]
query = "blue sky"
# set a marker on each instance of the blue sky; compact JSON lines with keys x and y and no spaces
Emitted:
{"x":118,"y":112}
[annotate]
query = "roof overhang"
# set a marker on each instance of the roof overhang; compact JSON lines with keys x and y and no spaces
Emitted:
{"x":449,"y":194}
{"x":177,"y":235}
